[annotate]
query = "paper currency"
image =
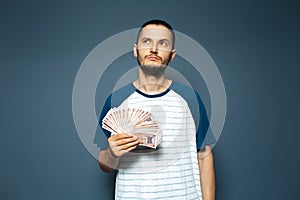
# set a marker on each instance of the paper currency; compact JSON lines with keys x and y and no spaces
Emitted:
{"x":134,"y":121}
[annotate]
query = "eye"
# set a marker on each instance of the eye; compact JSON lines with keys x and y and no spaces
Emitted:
{"x":146,"y":41}
{"x":163,"y":43}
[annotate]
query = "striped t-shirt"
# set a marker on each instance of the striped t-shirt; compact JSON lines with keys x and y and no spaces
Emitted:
{"x":171,"y":171}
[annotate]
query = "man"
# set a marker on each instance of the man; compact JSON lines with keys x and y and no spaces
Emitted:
{"x":182,"y":166}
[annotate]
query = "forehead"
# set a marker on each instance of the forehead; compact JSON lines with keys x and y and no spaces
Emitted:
{"x":154,"y":31}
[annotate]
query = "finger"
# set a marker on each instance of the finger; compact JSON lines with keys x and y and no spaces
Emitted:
{"x":120,"y":136}
{"x":131,"y":148}
{"x":128,"y":150}
{"x":117,"y":151}
{"x":125,"y":141}
{"x":128,"y":145}
{"x":123,"y":152}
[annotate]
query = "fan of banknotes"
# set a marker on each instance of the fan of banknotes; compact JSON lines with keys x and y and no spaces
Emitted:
{"x":134,"y":121}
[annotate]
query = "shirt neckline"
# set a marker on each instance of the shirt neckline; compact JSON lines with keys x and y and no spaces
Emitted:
{"x":152,"y":95}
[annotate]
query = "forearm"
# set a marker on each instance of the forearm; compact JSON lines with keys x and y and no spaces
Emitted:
{"x":107,"y":160}
{"x":119,"y":145}
{"x":207,"y":175}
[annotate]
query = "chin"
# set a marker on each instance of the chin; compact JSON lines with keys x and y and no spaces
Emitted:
{"x":153,"y":70}
{"x":153,"y":63}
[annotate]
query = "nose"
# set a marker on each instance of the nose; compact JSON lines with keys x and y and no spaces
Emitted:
{"x":154,"y":48}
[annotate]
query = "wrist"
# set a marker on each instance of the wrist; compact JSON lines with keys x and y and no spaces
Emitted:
{"x":111,"y":154}
{"x":110,"y":159}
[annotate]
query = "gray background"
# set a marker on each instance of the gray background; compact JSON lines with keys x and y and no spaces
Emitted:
{"x":255,"y":45}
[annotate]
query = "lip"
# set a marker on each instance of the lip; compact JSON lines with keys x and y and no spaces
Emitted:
{"x":153,"y":58}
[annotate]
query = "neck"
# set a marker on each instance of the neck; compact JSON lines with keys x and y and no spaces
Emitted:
{"x":150,"y":84}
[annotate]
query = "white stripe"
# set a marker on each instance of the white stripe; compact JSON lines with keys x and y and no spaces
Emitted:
{"x":179,"y":178}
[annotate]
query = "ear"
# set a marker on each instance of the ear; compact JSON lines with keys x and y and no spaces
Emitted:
{"x":173,"y":53}
{"x":135,"y":50}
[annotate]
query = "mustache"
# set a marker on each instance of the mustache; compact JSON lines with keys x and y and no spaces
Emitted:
{"x":153,"y":55}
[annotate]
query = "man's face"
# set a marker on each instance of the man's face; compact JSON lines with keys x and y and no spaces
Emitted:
{"x":154,"y":48}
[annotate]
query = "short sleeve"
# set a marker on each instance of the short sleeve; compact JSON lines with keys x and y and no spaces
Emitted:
{"x":113,"y":100}
{"x":203,"y":136}
{"x":197,"y":108}
{"x":105,"y":109}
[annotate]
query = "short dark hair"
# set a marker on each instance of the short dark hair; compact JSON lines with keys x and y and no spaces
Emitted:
{"x":159,"y":22}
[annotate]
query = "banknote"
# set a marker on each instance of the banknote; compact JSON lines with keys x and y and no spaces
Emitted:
{"x":134,"y":121}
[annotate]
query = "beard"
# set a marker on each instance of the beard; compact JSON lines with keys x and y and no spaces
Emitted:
{"x":153,"y":70}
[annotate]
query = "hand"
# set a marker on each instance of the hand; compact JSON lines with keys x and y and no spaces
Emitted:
{"x":122,"y":143}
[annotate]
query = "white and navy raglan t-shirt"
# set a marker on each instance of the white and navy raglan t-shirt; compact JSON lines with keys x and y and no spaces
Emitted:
{"x":171,"y":171}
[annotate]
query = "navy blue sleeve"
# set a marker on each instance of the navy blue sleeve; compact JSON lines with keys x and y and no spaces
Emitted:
{"x":197,"y":108}
{"x":114,"y":100}
{"x":106,"y":108}
{"x":203,"y":136}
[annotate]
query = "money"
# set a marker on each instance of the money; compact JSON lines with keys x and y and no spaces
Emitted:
{"x":134,"y":121}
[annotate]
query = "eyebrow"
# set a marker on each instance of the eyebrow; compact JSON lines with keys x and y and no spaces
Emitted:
{"x":164,"y":39}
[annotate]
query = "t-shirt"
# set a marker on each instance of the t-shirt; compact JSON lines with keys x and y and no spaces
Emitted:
{"x":171,"y":171}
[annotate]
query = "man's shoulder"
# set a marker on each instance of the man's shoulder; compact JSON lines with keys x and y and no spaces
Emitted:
{"x":129,"y":88}
{"x":118,"y":96}
{"x":183,"y":89}
{"x":189,"y":94}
